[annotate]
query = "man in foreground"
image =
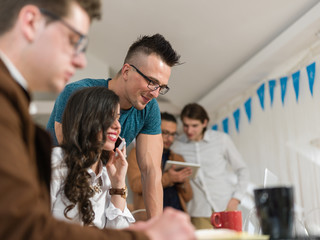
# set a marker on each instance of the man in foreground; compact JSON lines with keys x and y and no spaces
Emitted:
{"x":41,"y":46}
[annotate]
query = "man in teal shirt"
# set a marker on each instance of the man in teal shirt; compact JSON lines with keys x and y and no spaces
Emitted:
{"x":143,"y":76}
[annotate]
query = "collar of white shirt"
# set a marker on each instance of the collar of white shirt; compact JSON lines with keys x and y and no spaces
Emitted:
{"x":92,"y":173}
{"x":14,"y":71}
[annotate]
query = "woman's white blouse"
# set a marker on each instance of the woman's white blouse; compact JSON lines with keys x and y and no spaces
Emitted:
{"x":106,"y":214}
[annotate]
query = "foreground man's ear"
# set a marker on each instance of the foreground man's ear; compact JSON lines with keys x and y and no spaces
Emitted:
{"x":30,"y":21}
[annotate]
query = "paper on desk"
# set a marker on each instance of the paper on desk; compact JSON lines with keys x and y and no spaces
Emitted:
{"x":225,"y":234}
{"x":270,"y":179}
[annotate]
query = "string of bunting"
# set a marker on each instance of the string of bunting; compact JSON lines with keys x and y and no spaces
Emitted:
{"x":311,"y":70}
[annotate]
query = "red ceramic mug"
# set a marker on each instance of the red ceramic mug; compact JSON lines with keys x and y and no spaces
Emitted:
{"x":228,"y":219}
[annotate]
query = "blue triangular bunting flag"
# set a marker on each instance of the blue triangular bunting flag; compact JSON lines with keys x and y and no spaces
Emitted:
{"x":311,"y":69}
{"x":236,"y":116}
{"x":272,"y":84}
{"x":283,"y":83}
{"x":295,"y":81}
{"x":215,"y":127}
{"x":260,"y":93}
{"x":247,"y":106}
{"x":225,"y":125}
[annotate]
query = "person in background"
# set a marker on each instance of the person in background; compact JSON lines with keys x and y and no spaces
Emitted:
{"x":42,"y":43}
{"x":176,"y":187}
{"x":223,"y":176}
{"x":88,"y":178}
{"x":144,"y":75}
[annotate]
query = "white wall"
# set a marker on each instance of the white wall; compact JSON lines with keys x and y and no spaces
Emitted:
{"x":282,"y":137}
{"x":96,"y":68}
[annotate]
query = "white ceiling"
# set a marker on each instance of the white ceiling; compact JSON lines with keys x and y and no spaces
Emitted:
{"x":226,"y":45}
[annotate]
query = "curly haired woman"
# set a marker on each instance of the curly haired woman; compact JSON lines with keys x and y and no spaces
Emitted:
{"x":88,"y":178}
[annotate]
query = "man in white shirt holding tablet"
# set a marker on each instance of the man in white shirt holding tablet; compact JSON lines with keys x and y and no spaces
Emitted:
{"x":216,"y":187}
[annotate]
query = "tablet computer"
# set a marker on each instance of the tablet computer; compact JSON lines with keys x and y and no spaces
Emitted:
{"x":180,"y":165}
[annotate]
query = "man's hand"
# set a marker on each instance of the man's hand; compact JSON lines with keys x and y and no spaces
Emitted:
{"x":233,"y":204}
{"x":179,"y":176}
{"x":171,"y":225}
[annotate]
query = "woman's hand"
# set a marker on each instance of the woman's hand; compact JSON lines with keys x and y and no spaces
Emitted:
{"x":117,"y":167}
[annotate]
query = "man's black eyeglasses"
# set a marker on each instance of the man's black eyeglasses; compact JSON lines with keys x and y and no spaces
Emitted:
{"x":81,"y":44}
{"x":151,"y":84}
{"x":167,"y":133}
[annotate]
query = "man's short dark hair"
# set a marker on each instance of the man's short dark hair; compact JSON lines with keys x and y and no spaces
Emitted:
{"x":10,"y":9}
{"x":168,"y":117}
{"x":155,"y":44}
{"x":194,"y":111}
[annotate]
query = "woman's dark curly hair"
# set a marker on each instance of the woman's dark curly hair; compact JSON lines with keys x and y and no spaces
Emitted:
{"x":89,"y":111}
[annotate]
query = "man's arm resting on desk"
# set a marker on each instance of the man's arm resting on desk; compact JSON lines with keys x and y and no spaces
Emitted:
{"x":133,"y":174}
{"x":149,"y":154}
